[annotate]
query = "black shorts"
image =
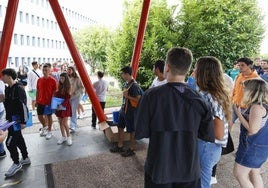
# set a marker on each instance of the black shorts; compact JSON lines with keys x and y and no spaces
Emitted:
{"x":41,"y":110}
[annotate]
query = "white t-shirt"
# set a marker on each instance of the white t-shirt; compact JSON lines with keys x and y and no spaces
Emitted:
{"x":100,"y":88}
{"x":32,"y":79}
{"x":157,"y":82}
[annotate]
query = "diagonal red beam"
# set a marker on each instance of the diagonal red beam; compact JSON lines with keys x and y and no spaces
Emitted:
{"x":7,"y":33}
{"x":78,"y":61}
{"x":140,"y":37}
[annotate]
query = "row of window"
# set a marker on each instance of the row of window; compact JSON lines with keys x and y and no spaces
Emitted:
{"x":14,"y":62}
{"x":38,"y":42}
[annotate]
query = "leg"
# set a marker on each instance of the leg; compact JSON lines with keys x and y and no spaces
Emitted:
{"x":22,"y":145}
{"x":62,"y":128}
{"x":93,"y":118}
{"x":214,"y":170}
{"x":256,"y":178}
{"x":49,"y":122}
{"x":241,"y":173}
{"x":74,"y":105}
{"x":2,"y":149}
{"x":66,"y":126}
{"x":11,"y":144}
{"x":132,"y":141}
{"x":120,"y":137}
{"x":33,"y":104}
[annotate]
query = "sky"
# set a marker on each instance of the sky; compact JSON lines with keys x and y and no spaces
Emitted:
{"x":109,"y":13}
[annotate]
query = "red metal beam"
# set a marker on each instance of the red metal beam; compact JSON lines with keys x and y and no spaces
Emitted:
{"x":78,"y":61}
{"x":7,"y":33}
{"x":140,"y":36}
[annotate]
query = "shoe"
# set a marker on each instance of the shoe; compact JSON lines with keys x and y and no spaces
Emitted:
{"x":61,"y":140}
{"x":3,"y":154}
{"x":43,"y":131}
{"x":69,"y":141}
{"x":72,"y":130}
{"x":26,"y":161}
{"x":49,"y":135}
{"x":128,"y":153}
{"x":213,"y":180}
{"x":117,"y":149}
{"x":93,"y":126}
{"x":33,"y":113}
{"x":13,"y":170}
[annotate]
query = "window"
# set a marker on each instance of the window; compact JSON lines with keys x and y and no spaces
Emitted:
{"x":59,"y":44}
{"x":47,"y":43}
{"x":47,"y":23}
{"x":0,"y":10}
{"x":44,"y":42}
{"x":28,"y":60}
{"x":23,"y":60}
{"x":52,"y":43}
{"x":15,"y":39}
{"x":42,"y":3}
{"x":52,"y":24}
{"x":39,"y":59}
{"x":43,"y":22}
{"x":38,"y":21}
{"x":44,"y":60}
{"x":28,"y":40}
{"x":56,"y":44}
{"x":21,"y":39}
{"x":16,"y":61}
{"x":32,"y":19}
{"x":33,"y":41}
{"x":21,"y":16}
{"x":27,"y":18}
{"x":38,"y":42}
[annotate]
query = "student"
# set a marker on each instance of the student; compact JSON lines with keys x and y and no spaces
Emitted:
{"x":211,"y":83}
{"x":173,"y":116}
{"x":159,"y":72}
{"x":2,"y":111}
{"x":252,"y":150}
{"x":15,"y":102}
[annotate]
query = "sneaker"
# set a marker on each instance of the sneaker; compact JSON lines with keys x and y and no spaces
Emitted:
{"x":72,"y":130}
{"x":117,"y":149}
{"x":26,"y":161}
{"x":33,"y":113}
{"x":49,"y":135}
{"x":3,"y":154}
{"x":61,"y":140}
{"x":213,"y":180}
{"x":128,"y":153}
{"x":13,"y":170}
{"x":93,"y":126}
{"x":43,"y":131}
{"x":69,"y":141}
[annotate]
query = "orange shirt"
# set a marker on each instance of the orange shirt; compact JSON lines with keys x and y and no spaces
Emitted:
{"x":45,"y":89}
{"x":238,"y":90}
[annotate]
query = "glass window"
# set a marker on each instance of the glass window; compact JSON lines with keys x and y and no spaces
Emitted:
{"x":33,"y":41}
{"x":43,"y":22}
{"x":52,"y":43}
{"x":21,"y":16}
{"x":38,"y":21}
{"x":28,"y":60}
{"x":32,"y":19}
{"x":28,"y":40}
{"x":47,"y":23}
{"x":21,"y":39}
{"x":23,"y":60}
{"x":27,"y":18}
{"x":38,"y":42}
{"x":15,"y":39}
{"x":16,"y":61}
{"x":0,"y":10}
{"x":52,"y":24}
{"x":48,"y":43}
{"x":44,"y":42}
{"x":42,"y":3}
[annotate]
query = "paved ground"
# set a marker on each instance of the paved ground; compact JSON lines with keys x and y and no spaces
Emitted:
{"x":86,"y":142}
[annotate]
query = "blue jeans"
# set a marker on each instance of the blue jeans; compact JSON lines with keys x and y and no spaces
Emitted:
{"x":74,"y":105}
{"x":210,"y":154}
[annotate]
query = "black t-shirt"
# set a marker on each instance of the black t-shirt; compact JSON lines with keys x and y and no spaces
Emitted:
{"x":173,"y":122}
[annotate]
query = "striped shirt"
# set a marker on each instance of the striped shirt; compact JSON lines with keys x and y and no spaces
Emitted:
{"x":218,"y":112}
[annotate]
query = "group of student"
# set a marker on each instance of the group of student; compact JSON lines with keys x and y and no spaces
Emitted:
{"x":189,"y":129}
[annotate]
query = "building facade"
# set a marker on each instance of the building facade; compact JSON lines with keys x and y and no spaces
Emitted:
{"x":37,"y":36}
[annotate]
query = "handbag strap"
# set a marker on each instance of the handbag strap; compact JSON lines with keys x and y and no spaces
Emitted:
{"x":36,"y":73}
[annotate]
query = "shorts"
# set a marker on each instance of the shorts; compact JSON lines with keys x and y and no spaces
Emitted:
{"x":32,"y":94}
{"x":43,"y":110}
{"x":126,"y":120}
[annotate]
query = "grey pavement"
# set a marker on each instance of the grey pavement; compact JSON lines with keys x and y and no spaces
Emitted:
{"x":86,"y":142}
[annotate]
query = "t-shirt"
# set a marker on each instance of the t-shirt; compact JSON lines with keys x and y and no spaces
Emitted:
{"x":45,"y":90}
{"x":173,"y":116}
{"x":157,"y":82}
{"x":100,"y":88}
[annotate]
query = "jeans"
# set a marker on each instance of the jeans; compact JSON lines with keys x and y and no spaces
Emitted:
{"x":210,"y":154}
{"x":74,"y":106}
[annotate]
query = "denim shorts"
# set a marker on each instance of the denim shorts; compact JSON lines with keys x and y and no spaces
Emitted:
{"x":251,"y":155}
{"x":125,"y":120}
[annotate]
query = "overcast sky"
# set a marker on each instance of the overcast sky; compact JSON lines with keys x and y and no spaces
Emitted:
{"x":109,"y":13}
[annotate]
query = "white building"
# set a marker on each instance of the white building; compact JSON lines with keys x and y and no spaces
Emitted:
{"x":37,"y":36}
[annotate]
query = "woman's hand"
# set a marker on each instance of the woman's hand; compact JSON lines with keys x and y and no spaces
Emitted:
{"x":237,"y":110}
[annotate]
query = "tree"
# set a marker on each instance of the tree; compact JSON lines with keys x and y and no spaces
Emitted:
{"x":92,"y":43}
{"x":226,"y":29}
{"x":160,"y":35}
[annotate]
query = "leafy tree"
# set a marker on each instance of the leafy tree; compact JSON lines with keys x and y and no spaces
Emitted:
{"x":227,"y":29}
{"x":92,"y":43}
{"x":160,"y":35}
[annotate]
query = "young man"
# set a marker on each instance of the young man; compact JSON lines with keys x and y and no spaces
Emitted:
{"x":158,"y":71}
{"x":131,"y":95}
{"x":46,"y":87}
{"x":33,"y":76}
{"x":173,"y":116}
{"x":15,"y":102}
{"x":100,"y":87}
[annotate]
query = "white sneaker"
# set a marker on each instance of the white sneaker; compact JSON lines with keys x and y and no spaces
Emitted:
{"x":13,"y":170}
{"x":26,"y":161}
{"x":49,"y":135}
{"x":69,"y":141}
{"x":213,"y":180}
{"x":33,"y":113}
{"x":43,"y":131}
{"x":61,"y":140}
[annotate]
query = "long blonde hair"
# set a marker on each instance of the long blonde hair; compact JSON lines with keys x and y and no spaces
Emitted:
{"x":255,"y":91}
{"x":209,"y":78}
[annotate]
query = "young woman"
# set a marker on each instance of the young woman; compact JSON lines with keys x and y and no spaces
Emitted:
{"x":64,"y":109}
{"x":252,"y":150}
{"x":210,"y":81}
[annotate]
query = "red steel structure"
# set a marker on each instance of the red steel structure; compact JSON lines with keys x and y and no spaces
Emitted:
{"x":8,"y":29}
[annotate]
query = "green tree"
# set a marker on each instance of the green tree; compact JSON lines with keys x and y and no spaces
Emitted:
{"x":92,"y":43}
{"x":160,"y":35}
{"x":226,"y":29}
